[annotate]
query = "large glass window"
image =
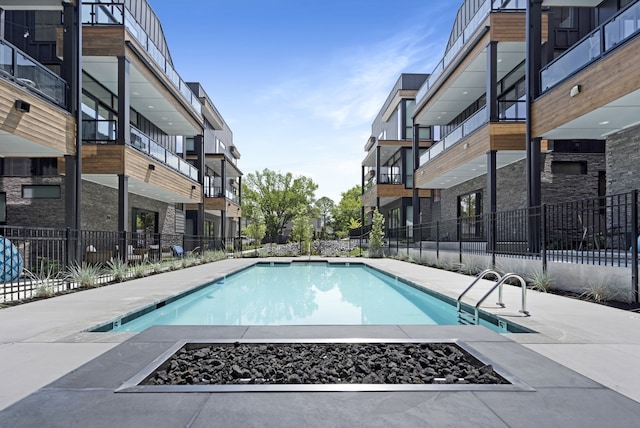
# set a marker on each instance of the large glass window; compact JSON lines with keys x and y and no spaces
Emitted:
{"x":469,"y":213}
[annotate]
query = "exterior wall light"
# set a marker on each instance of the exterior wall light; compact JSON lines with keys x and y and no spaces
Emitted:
{"x":575,"y":90}
{"x":22,"y":106}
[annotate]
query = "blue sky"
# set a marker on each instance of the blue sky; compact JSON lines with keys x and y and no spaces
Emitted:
{"x":300,"y":81}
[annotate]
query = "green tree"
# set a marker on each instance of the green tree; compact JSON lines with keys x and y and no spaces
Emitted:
{"x":377,"y":235}
{"x":256,"y":231}
{"x":278,"y":197}
{"x":325,"y":206}
{"x":302,"y":229}
{"x":349,"y":208}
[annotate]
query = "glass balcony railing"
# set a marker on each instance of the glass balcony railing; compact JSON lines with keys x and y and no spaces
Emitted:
{"x":474,"y":122}
{"x":118,"y":14}
{"x":512,"y":110}
{"x":471,"y":27}
{"x":603,"y":39}
{"x":213,"y":191}
{"x":19,"y":67}
{"x":105,"y":132}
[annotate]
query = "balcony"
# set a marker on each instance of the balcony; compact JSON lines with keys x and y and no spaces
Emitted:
{"x":602,"y":40}
{"x":20,"y":68}
{"x":467,"y":35}
{"x":474,"y":122}
{"x":97,"y":14}
{"x":105,"y":131}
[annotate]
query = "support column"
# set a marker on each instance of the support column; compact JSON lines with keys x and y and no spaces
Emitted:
{"x":378,"y":151}
{"x":198,"y":142}
{"x":72,"y":74}
{"x":492,"y":200}
{"x":223,"y":188}
{"x":492,"y":81}
{"x":415,"y":200}
{"x":124,"y":108}
{"x":533,"y":64}
{"x":2,"y":35}
{"x":123,"y":214}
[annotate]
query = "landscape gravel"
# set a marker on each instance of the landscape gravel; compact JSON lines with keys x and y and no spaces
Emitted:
{"x":323,"y":363}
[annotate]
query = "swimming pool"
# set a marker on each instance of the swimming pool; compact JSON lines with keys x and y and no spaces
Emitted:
{"x":303,"y":294}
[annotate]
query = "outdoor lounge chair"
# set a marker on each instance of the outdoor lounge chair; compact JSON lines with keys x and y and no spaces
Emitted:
{"x":177,"y":251}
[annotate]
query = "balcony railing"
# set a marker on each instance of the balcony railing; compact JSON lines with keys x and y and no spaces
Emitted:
{"x":474,"y":122}
{"x":105,"y":132}
{"x":19,"y":67}
{"x":481,"y":14}
{"x":118,"y":14}
{"x":212,"y":191}
{"x":512,"y":110}
{"x":605,"y":38}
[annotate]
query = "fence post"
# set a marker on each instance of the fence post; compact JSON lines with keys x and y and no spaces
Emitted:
{"x":69,"y":247}
{"x":634,"y":244}
{"x":494,"y":237}
{"x":459,"y":226}
{"x":544,"y":238}
{"x":438,"y":240}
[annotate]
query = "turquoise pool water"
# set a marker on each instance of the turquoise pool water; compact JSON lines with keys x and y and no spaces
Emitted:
{"x":301,"y":294}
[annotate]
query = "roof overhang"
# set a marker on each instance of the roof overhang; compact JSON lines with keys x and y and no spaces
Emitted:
{"x":142,"y":188}
{"x":33,"y":4}
{"x":147,"y":95}
{"x":470,"y":169}
{"x":467,"y":85}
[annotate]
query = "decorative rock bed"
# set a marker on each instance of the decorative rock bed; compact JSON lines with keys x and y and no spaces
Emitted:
{"x":323,"y":363}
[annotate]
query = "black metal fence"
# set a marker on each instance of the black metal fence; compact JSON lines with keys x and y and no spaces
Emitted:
{"x":599,"y":231}
{"x":35,"y":257}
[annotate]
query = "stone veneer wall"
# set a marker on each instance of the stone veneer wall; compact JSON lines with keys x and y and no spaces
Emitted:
{"x":558,"y":188}
{"x":512,"y":184}
{"x":100,"y":209}
{"x":33,"y":212}
{"x":622,"y":161}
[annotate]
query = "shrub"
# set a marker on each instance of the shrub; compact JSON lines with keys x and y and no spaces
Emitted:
{"x":117,"y":269}
{"x":85,"y":275}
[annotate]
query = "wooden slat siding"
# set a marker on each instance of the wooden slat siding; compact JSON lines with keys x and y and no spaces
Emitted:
{"x":479,"y":144}
{"x":601,"y":83}
{"x":102,"y":159}
{"x":508,"y":136}
{"x":396,"y":143}
{"x":390,"y":191}
{"x":102,"y":41}
{"x":508,"y":27}
{"x":161,"y":82}
{"x":369,"y":197}
{"x":45,"y":123}
{"x":220,"y":204}
{"x":137,"y":166}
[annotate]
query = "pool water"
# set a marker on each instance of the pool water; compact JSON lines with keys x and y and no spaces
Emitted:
{"x":302,"y":294}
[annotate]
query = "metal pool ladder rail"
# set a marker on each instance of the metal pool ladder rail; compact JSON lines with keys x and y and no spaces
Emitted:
{"x":469,"y":318}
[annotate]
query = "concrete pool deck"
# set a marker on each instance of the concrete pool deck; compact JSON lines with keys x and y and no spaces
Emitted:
{"x":54,"y":373}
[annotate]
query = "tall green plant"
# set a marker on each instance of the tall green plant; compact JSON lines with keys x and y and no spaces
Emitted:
{"x":376,"y":242}
{"x":302,"y":230}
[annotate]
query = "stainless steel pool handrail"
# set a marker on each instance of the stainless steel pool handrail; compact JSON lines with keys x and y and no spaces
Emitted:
{"x":523,"y":284}
{"x":480,"y":276}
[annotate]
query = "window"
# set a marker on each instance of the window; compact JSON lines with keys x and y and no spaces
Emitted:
{"x":3,"y":207}
{"x":566,"y":17}
{"x":23,"y":167}
{"x":469,"y":213}
{"x":569,"y":167}
{"x":41,"y":192}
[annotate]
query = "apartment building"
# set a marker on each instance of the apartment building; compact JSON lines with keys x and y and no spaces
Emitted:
{"x":150,"y":144}
{"x":589,"y":90}
{"x":475,"y":101}
{"x":222,"y":179}
{"x":387,"y":170}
